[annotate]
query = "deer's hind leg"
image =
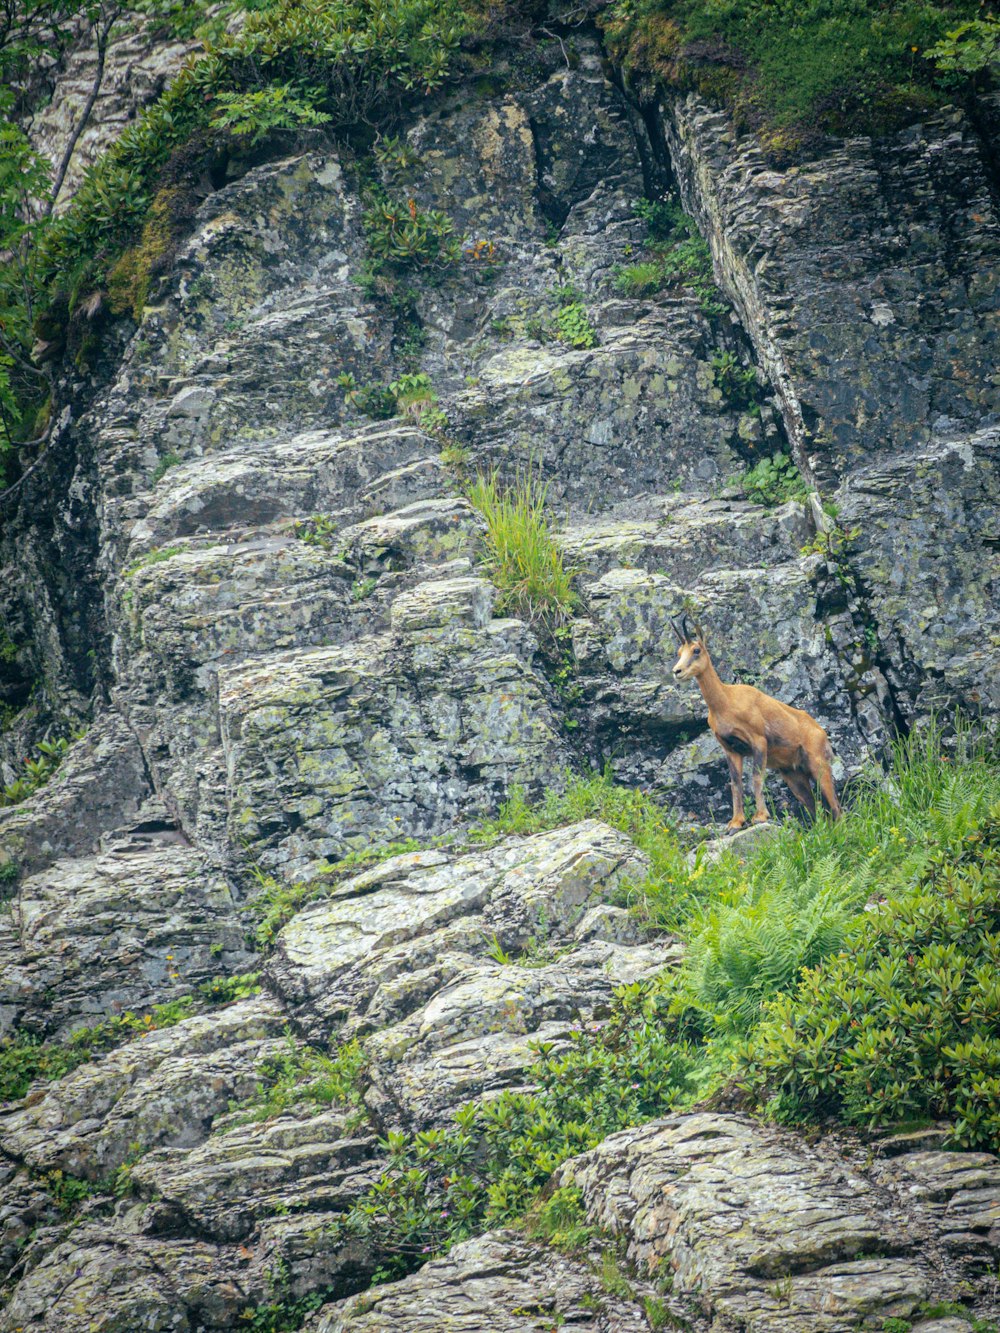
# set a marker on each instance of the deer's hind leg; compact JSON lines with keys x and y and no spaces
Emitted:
{"x":824,"y":776}
{"x":801,"y":788}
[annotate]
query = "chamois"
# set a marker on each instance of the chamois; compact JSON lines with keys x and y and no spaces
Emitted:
{"x":745,"y":721}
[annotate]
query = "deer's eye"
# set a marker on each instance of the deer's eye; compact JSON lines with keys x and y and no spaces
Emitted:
{"x":696,"y":653}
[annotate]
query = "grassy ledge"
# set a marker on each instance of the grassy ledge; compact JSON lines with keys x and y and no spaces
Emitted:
{"x":871,"y":943}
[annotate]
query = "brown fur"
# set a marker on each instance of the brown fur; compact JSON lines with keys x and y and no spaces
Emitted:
{"x":747,"y":722}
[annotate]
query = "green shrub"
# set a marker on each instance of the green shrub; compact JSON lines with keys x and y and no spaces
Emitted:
{"x":737,"y":383}
{"x":679,"y":257}
{"x":904,"y":1023}
{"x":410,"y":395}
{"x":441,"y":1186}
{"x":773,"y":481}
{"x":24,"y":1059}
{"x":37,"y":771}
{"x":521,"y":556}
{"x":403,"y":236}
{"x":573,"y":325}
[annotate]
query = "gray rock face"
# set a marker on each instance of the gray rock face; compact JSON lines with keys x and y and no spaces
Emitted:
{"x":102,"y":783}
{"x":165,"y":1087}
{"x":866,"y":278}
{"x":301,"y":657}
{"x":498,"y":1282}
{"x":410,"y":952}
{"x":766,"y":1232}
{"x":937,"y":619}
{"x":126,"y":929}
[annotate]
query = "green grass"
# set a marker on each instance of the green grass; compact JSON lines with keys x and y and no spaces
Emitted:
{"x":520,"y":555}
{"x":273,"y":904}
{"x":795,"y":69}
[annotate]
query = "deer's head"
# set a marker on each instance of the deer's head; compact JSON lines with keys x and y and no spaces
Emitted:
{"x":692,"y":655}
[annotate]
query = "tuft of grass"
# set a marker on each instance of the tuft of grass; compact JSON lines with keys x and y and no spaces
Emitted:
{"x":521,"y":556}
{"x":273,"y":904}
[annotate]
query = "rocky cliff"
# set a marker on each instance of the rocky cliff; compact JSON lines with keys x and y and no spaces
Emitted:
{"x":272,"y":611}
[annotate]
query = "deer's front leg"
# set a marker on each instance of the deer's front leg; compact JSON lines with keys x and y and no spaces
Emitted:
{"x":759,"y":769}
{"x":735,"y":762}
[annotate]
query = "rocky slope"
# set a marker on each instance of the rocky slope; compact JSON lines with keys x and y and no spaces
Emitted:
{"x":277,"y":692}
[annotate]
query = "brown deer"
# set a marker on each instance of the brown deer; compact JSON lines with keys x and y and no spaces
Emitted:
{"x":745,"y":721}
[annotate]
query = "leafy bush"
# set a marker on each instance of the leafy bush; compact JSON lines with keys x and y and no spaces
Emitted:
{"x":403,"y":236}
{"x":304,"y":1075}
{"x":737,"y":383}
{"x":775,"y":480}
{"x":573,"y":325}
{"x":37,"y":771}
{"x":521,"y":556}
{"x":969,"y":49}
{"x":904,"y":1023}
{"x":410,"y":395}
{"x":441,"y":1186}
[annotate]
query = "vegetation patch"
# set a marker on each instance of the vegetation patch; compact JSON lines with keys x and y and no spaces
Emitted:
{"x":774,"y":481}
{"x":23,"y":1060}
{"x":273,"y":904}
{"x":37,"y":771}
{"x":302,"y":1076}
{"x":678,"y":258}
{"x":287,"y":64}
{"x":786,"y":977}
{"x":796,"y":70}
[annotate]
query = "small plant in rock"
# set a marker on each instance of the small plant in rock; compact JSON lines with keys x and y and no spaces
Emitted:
{"x":773,"y":481}
{"x":272,"y":904}
{"x":155,"y":557}
{"x":261,"y":112}
{"x":561,"y":1220}
{"x":393,"y":153}
{"x":521,"y":556}
{"x":303,"y":1077}
{"x":737,"y":383}
{"x":23,"y":1060}
{"x":573,"y":326}
{"x":163,"y":467}
{"x":403,"y":236}
{"x":37,"y":771}
{"x":363,"y":588}
{"x":678,"y":257}
{"x":227,"y":990}
{"x":319,"y":530}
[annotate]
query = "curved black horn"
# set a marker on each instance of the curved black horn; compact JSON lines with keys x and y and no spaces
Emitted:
{"x":678,"y":634}
{"x":689,"y":632}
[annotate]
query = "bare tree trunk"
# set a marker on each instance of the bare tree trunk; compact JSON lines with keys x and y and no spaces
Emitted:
{"x":103,"y":30}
